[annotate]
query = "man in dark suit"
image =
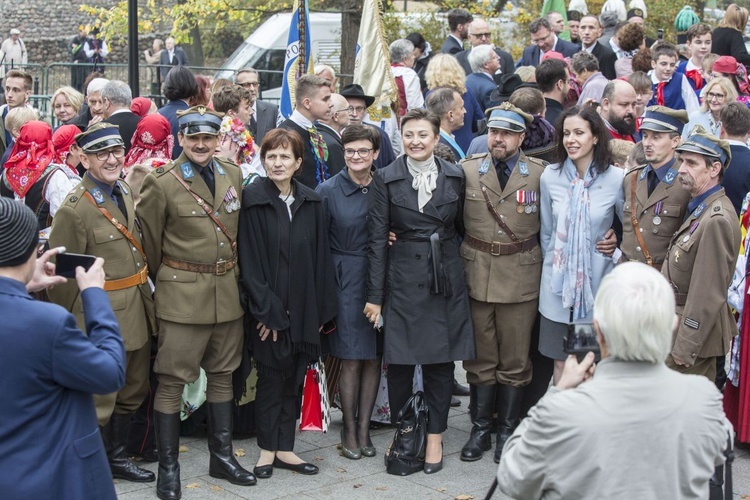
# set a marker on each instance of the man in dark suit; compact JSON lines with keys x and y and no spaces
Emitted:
{"x":117,"y":96}
{"x":458,"y":23}
{"x":484,"y":62}
{"x":735,"y":125}
{"x":543,"y":40}
{"x":312,"y":103}
{"x":331,"y":129}
{"x":265,"y":115}
{"x":590,"y":30}
{"x":171,"y":56}
{"x":552,"y":77}
{"x":50,"y":369}
{"x":479,"y":34}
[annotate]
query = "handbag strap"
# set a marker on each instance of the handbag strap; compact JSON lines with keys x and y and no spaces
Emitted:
{"x":208,"y":209}
{"x":498,"y":218}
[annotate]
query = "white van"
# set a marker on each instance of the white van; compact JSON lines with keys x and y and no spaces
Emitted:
{"x":265,"y":49}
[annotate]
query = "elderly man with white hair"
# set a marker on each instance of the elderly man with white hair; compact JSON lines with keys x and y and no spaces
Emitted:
{"x":93,"y":111}
{"x":484,"y":63}
{"x":632,"y":429}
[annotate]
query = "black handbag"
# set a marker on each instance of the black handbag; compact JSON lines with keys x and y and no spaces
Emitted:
{"x":406,"y":454}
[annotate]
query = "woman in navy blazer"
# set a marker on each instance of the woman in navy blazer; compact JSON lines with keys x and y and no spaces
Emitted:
{"x":50,"y":445}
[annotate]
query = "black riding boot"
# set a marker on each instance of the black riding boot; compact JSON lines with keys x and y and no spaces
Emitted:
{"x":167,"y":427}
{"x":115,"y":435}
{"x":508,"y":405}
{"x":223,"y":465}
{"x":482,"y":407}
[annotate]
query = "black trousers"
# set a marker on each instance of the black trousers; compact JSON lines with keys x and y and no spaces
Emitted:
{"x":438,"y":388}
{"x":277,"y":403}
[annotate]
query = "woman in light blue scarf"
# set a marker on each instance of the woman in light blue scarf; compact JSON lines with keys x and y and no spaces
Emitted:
{"x":579,"y":199}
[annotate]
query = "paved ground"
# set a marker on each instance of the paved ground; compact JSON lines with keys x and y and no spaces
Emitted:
{"x":340,"y":478}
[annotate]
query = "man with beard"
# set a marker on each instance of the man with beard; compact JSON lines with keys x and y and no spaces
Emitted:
{"x":501,"y":248}
{"x":618,"y":110}
{"x":655,"y":204}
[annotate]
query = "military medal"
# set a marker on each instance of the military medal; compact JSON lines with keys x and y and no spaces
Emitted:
{"x":657,"y":211}
{"x":231,"y":203}
{"x":534,"y":198}
{"x":694,"y":226}
{"x":519,"y":209}
{"x":98,"y":195}
{"x":521,"y":201}
{"x":187,"y":170}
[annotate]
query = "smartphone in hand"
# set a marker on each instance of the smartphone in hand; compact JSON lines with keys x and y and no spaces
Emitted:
{"x":68,"y":262}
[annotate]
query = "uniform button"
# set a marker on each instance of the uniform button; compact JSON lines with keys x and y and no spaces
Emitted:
{"x":138,"y":264}
{"x":418,"y":256}
{"x":637,"y":249}
{"x":193,"y":212}
{"x":420,"y":285}
{"x":216,"y":214}
{"x":135,"y":249}
{"x":221,"y":244}
{"x":111,"y":236}
{"x":499,"y":232}
{"x":203,"y":212}
{"x":664,"y":212}
{"x":692,"y":355}
{"x":654,"y":230}
{"x":473,"y":195}
{"x":174,"y":277}
{"x":218,"y":228}
{"x":502,"y":201}
{"x":640,"y":229}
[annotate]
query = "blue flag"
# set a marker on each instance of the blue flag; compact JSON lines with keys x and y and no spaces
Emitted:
{"x":291,"y":61}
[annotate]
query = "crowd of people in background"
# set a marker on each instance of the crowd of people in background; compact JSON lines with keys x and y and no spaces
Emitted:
{"x":475,"y":221}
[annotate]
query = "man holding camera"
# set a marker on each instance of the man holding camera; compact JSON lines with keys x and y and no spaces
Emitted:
{"x":98,"y":218}
{"x":655,"y":202}
{"x":586,"y":439}
{"x":701,"y":258}
{"x":501,"y":247}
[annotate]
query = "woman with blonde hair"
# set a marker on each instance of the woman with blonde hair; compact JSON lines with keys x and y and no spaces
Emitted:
{"x":445,"y":71}
{"x":715,"y":95}
{"x":66,"y":103}
{"x":726,"y":39}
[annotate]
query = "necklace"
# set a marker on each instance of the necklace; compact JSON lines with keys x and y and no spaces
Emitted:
{"x":288,"y":194}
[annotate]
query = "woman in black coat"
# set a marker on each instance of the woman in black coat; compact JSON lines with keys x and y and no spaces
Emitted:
{"x":727,"y":39}
{"x":288,"y":292}
{"x":418,"y":282}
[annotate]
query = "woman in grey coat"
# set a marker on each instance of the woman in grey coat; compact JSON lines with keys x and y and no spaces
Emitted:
{"x":419,"y":281}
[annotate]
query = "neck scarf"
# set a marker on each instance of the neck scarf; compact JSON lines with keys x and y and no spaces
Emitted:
{"x":538,"y":134}
{"x":571,"y":264}
{"x":140,"y":106}
{"x":31,"y":155}
{"x":425,"y":175}
{"x":320,"y":151}
{"x":152,"y":143}
{"x":62,"y":139}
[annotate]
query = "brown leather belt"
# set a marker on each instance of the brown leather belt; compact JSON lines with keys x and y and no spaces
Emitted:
{"x":680,"y":299}
{"x":139,"y":278}
{"x":219,"y":269}
{"x":497,"y":248}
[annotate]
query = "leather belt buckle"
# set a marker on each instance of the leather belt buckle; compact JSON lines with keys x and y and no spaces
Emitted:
{"x":495,"y":248}
{"x":221,"y":267}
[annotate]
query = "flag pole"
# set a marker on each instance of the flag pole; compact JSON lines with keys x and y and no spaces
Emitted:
{"x":302,"y":59}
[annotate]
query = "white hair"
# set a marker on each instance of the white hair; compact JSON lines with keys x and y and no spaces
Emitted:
{"x":479,"y":56}
{"x":319,"y":68}
{"x":635,"y":309}
{"x":96,"y":85}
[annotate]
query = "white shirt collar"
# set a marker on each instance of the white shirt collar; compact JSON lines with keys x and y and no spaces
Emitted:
{"x":300,"y":119}
{"x":733,"y":142}
{"x":590,"y":50}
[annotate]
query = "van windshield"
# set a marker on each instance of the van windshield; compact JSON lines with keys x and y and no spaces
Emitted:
{"x":268,"y":62}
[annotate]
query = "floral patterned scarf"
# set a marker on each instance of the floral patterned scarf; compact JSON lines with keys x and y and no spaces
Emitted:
{"x":31,"y":155}
{"x":152,"y":143}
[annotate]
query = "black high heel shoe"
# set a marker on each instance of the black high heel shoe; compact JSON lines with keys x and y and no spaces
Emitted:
{"x":437,"y":467}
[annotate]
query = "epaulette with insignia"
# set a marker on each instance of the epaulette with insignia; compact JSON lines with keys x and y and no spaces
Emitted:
{"x":163,"y":169}
{"x":717,"y":208}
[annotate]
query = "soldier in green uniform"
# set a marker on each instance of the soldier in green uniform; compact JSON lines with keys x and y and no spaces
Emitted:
{"x":655,"y":202}
{"x":701,"y":258}
{"x":98,"y":218}
{"x":503,"y":264}
{"x":189,"y":212}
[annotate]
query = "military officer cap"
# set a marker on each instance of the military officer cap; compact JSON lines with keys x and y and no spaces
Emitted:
{"x":705,"y":144}
{"x":99,"y":136}
{"x":508,"y":117}
{"x":574,"y":15}
{"x":663,"y":119}
{"x":199,"y":120}
{"x":636,"y":12}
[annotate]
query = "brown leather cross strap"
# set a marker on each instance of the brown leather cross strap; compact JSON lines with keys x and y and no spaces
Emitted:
{"x":120,"y":227}
{"x":497,"y":248}
{"x":498,"y":218}
{"x":209,"y":211}
{"x":634,"y":220}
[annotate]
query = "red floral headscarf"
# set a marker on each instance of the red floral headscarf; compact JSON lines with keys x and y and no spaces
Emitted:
{"x":152,"y":143}
{"x":62,"y":139}
{"x":31,"y":155}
